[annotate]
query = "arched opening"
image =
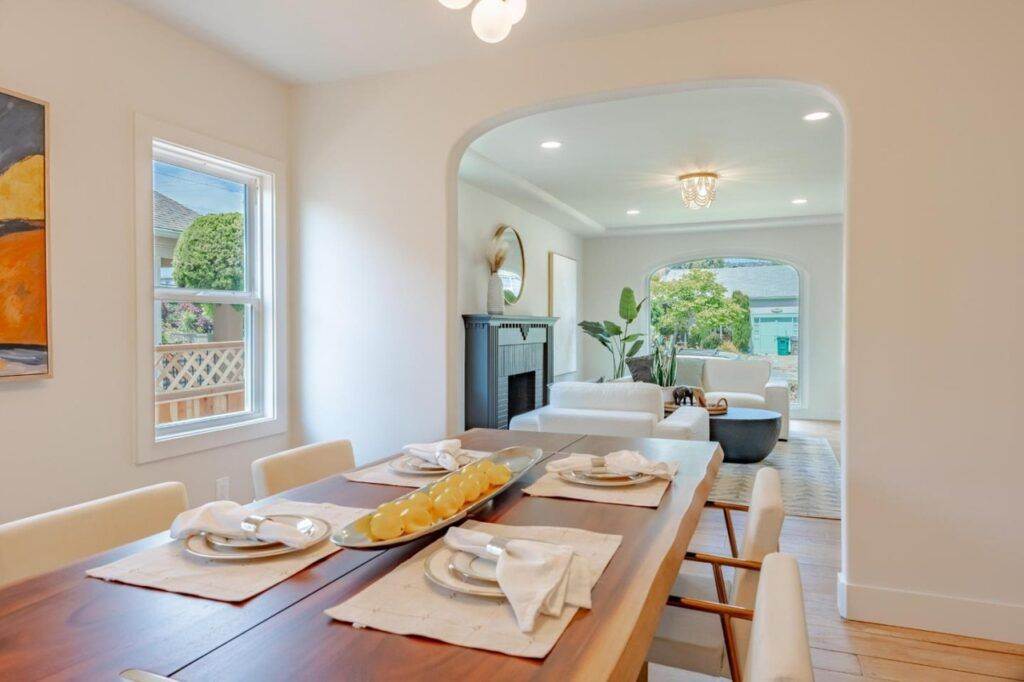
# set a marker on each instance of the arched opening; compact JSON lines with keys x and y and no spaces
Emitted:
{"x":734,"y":307}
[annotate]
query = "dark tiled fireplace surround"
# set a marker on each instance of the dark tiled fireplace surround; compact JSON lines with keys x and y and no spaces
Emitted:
{"x":508,"y":367}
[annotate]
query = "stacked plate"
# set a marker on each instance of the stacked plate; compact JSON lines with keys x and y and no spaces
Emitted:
{"x":601,"y":476}
{"x":213,"y":546}
{"x":407,"y":464}
{"x":463,"y":572}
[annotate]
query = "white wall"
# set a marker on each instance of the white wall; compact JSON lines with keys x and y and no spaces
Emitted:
{"x":480,"y":213}
{"x":611,"y":263}
{"x":930,"y":499}
{"x":97,"y":63}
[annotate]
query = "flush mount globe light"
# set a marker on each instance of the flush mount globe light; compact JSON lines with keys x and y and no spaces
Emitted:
{"x":699,"y":189}
{"x":492,"y":20}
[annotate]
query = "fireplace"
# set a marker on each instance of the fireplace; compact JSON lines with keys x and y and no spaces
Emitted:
{"x":522,"y":393}
{"x":508,"y":367}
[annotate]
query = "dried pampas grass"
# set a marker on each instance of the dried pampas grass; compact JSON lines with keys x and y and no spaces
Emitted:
{"x":497,"y":252}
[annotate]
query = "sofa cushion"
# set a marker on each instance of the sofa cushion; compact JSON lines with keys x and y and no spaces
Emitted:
{"x":596,"y":422}
{"x":686,"y":423}
{"x":527,"y":421}
{"x":640,"y":368}
{"x":740,"y":376}
{"x":737,"y":399}
{"x":624,"y":396}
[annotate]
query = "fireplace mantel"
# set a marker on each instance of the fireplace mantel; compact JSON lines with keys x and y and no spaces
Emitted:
{"x":508,"y":367}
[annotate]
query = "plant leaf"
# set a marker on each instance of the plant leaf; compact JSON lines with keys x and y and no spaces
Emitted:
{"x":627,"y":305}
{"x":633,"y":337}
{"x":634,"y":348}
{"x":611,"y":328}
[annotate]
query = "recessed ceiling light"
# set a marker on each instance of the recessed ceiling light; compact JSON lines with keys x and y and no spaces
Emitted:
{"x":817,"y":116}
{"x":633,"y":211}
{"x":551,"y":144}
{"x":799,"y":201}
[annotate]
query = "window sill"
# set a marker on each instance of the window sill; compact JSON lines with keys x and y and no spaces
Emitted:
{"x":186,"y":443}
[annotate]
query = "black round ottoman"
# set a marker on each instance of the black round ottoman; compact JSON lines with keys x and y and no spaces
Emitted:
{"x":746,"y":434}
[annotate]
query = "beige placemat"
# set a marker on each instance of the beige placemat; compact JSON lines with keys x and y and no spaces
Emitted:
{"x":405,"y":602}
{"x":169,"y":567}
{"x":643,"y":495}
{"x":383,"y":473}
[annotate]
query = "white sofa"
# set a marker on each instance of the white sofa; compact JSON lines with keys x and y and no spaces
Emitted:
{"x":613,"y":409}
{"x":746,"y":383}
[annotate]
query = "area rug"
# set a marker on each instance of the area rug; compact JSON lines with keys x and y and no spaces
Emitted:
{"x":809,"y":473}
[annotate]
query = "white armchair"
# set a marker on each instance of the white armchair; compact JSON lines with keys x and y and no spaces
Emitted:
{"x":747,"y":383}
{"x":613,"y":409}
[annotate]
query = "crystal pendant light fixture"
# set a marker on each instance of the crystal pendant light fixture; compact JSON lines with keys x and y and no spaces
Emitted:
{"x":699,"y":189}
{"x":492,"y":20}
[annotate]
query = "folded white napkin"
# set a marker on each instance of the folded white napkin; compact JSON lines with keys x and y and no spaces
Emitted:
{"x":443,"y":453}
{"x":621,"y":462}
{"x":225,"y":518}
{"x":536,"y":577}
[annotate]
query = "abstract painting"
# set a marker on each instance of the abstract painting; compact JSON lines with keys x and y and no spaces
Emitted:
{"x":563,"y":297}
{"x":24,"y":316}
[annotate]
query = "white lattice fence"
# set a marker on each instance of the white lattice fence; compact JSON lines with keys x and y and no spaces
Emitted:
{"x":192,"y":367}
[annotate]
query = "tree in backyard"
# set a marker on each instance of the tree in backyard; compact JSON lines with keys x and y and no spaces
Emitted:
{"x":210,"y":253}
{"x":697,"y":308}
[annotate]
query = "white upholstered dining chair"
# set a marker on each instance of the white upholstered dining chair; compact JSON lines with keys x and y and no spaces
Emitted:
{"x":290,"y":469}
{"x":47,"y":541}
{"x":696,"y":640}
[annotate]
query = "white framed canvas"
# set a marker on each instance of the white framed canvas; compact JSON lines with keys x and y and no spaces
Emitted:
{"x":563,"y":303}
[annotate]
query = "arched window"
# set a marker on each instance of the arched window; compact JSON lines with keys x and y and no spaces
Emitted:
{"x":736,"y":307}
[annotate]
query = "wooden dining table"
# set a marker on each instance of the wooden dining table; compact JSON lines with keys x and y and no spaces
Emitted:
{"x":63,"y":625}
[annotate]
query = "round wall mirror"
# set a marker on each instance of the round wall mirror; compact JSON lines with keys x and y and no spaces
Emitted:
{"x":513,"y":271}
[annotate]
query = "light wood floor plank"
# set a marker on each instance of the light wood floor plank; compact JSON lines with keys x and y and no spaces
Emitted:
{"x":901,"y":671}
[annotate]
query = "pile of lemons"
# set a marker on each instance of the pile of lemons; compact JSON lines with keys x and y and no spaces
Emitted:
{"x":440,"y":501}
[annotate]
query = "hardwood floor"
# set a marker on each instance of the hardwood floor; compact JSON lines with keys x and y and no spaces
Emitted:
{"x":846,"y":651}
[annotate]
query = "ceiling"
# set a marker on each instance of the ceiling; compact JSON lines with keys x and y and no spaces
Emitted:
{"x":626,"y":154}
{"x":307,"y":41}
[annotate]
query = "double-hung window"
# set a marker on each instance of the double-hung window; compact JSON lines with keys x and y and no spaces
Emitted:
{"x":212,"y":371}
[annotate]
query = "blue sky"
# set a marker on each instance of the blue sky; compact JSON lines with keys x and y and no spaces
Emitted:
{"x":200,"y":192}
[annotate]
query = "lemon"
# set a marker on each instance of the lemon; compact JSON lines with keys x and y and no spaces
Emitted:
{"x":415,"y":519}
{"x":385,"y":526}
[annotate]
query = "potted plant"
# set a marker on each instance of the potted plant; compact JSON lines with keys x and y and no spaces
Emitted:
{"x":663,"y":367}
{"x":617,"y":339}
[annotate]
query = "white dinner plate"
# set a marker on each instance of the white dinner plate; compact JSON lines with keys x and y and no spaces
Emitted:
{"x":474,"y":567}
{"x":200,"y":545}
{"x":438,"y":570}
{"x":581,"y":478}
{"x":414,"y":466}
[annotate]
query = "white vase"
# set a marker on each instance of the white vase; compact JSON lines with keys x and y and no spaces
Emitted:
{"x":666,"y":394}
{"x":495,"y":296}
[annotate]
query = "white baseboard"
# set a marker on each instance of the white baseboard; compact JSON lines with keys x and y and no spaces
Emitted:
{"x":935,"y":612}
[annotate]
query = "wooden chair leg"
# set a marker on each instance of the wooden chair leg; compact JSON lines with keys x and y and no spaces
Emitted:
{"x":730,"y":649}
{"x":731,"y":532}
{"x":642,"y":675}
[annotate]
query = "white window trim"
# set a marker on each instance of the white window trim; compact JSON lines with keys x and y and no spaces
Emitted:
{"x":270,"y":277}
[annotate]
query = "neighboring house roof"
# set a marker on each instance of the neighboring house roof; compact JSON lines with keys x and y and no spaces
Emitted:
{"x":168,"y":214}
{"x":760,"y":281}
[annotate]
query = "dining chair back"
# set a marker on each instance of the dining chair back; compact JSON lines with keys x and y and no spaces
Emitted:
{"x":47,"y":541}
{"x":760,"y":538}
{"x":290,"y":469}
{"x":779,"y":649}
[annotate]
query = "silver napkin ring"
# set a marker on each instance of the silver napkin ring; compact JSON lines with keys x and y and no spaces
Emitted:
{"x":251,"y":524}
{"x":497,"y":546}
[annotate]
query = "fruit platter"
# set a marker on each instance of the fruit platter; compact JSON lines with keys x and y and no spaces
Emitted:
{"x":439,"y":504}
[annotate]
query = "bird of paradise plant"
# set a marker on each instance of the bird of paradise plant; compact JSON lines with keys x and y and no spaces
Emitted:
{"x":615,"y":338}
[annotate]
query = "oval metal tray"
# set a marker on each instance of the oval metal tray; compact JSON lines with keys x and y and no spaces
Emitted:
{"x":519,"y":459}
